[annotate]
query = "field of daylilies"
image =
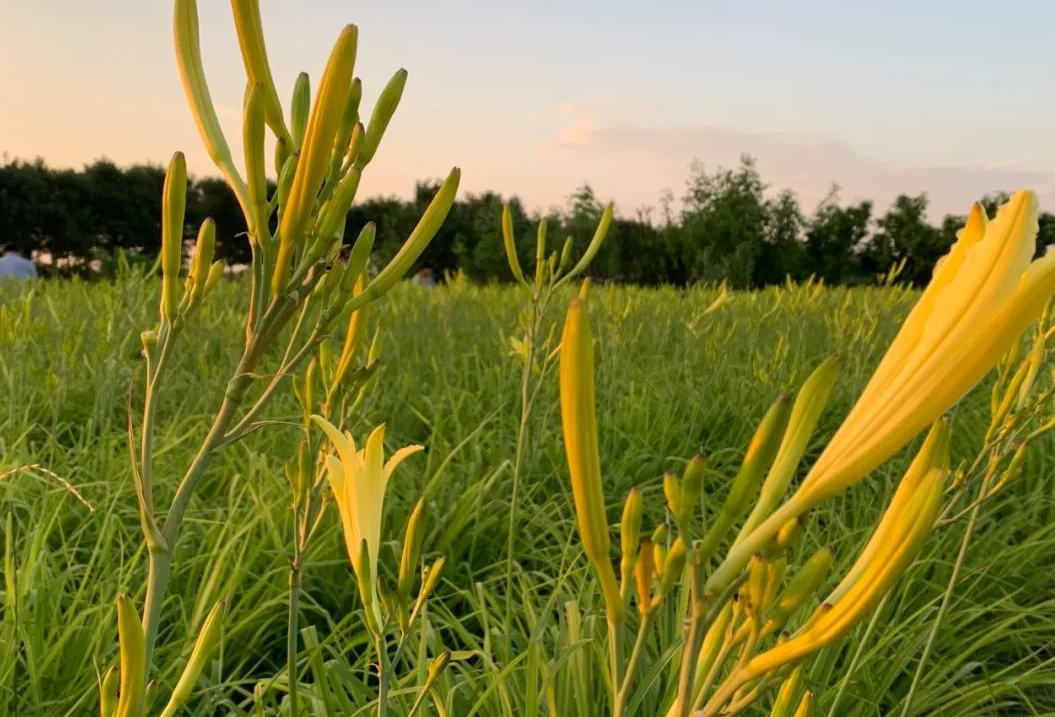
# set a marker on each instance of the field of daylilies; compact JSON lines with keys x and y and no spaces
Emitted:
{"x":319,"y":489}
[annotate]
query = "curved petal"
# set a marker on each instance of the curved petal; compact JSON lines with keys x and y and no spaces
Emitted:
{"x":399,"y":456}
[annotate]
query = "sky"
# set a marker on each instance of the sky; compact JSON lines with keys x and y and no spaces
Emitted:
{"x":951,"y":98}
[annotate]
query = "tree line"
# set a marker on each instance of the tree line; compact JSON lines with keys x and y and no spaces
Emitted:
{"x":727,"y":227}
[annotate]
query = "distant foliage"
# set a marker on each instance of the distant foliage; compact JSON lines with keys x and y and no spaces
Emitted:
{"x":730,"y":226}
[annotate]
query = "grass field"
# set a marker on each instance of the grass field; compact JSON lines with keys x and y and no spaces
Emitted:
{"x":672,"y":381}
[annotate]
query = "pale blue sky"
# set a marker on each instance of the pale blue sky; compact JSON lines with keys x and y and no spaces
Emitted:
{"x":533,"y":98}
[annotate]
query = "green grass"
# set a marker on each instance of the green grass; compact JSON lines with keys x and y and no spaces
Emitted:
{"x":672,"y":382}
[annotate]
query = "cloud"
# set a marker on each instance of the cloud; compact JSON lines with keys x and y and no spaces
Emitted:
{"x":651,"y":158}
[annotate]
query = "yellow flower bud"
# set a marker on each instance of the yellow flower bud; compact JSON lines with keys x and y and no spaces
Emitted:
{"x":579,"y":419}
{"x":133,"y":658}
{"x":253,"y":148}
{"x":509,"y":241}
{"x":202,"y":262}
{"x":594,"y":246}
{"x":757,"y":459}
{"x":386,"y":106}
{"x":299,"y":108}
{"x":426,"y":229}
{"x":188,"y":58}
{"x":644,"y":569}
{"x":108,"y":693}
{"x":208,"y":638}
{"x":630,"y":536}
{"x":254,"y":55}
{"x":315,"y":152}
{"x":173,"y":206}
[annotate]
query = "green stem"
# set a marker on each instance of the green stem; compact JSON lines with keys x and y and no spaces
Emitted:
{"x":848,"y":673}
{"x":631,"y":665}
{"x":295,"y":582}
{"x":945,"y":601}
{"x":693,"y":640}
{"x":616,"y":633}
{"x":382,"y":675}
{"x":518,"y":458}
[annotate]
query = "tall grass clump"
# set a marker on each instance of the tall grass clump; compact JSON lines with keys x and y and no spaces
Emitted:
{"x":300,"y":290}
{"x":736,"y":645}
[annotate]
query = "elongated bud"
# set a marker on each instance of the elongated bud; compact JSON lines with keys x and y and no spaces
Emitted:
{"x":173,"y":207}
{"x":304,"y":471}
{"x":386,"y":106}
{"x":565,"y":255}
{"x":643,"y":572}
{"x":712,"y":644}
{"x":357,"y":258}
{"x":428,"y":225}
{"x":775,"y":569}
{"x":672,"y":492}
{"x":691,"y":491}
{"x":299,"y":108}
{"x":595,"y":244}
{"x":579,"y":419}
{"x":908,"y":532}
{"x":789,"y":533}
{"x":801,"y":587}
{"x":355,"y":144}
{"x":254,"y":54}
{"x":757,"y":459}
{"x":282,"y":155}
{"x":349,"y":121}
{"x":805,"y":414}
{"x":673,"y":567}
{"x":315,"y":152}
{"x":436,"y":668}
{"x":659,"y":548}
{"x":509,"y":241}
{"x":188,"y":58}
{"x":1034,"y":362}
{"x":285,"y":182}
{"x":756,"y":581}
{"x":630,"y":535}
{"x":253,"y":148}
{"x":1014,"y":467}
{"x":331,"y":222}
{"x":353,"y":339}
{"x":216,"y":270}
{"x":208,"y":638}
{"x":408,"y":564}
{"x":805,"y":706}
{"x":108,"y":692}
{"x":202,"y":261}
{"x":133,"y":658}
{"x":540,"y":250}
{"x":367,"y":584}
{"x":788,"y":695}
{"x":430,"y":578}
{"x":933,"y":454}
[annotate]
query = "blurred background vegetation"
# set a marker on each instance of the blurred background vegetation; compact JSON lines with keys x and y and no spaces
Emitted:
{"x":728,"y":226}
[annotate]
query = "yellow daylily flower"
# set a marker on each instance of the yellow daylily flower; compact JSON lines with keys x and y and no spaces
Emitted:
{"x":983,"y":296}
{"x":358,"y":478}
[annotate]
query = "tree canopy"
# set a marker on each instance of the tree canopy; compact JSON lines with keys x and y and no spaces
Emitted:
{"x":730,"y":226}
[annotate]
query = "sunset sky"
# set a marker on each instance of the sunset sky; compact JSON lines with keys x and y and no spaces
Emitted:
{"x":535,"y":98}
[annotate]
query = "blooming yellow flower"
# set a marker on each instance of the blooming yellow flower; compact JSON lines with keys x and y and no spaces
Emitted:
{"x":358,"y":478}
{"x":983,"y":296}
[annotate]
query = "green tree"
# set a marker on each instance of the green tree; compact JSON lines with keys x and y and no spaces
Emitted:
{"x":833,"y":235}
{"x":904,"y":235}
{"x":723,"y":224}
